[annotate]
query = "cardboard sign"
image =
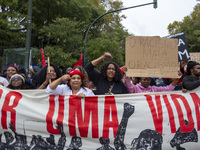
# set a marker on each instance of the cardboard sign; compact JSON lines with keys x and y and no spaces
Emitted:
{"x":195,"y":57}
{"x":151,"y":57}
{"x":183,"y":53}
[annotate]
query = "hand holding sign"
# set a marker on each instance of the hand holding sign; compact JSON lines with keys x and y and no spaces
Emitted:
{"x":151,"y":57}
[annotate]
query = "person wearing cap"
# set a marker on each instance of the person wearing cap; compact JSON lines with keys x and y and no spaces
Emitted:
{"x":108,"y":80}
{"x":192,"y":78}
{"x":11,"y":70}
{"x":74,"y":85}
{"x":82,"y":70}
{"x":17,"y":82}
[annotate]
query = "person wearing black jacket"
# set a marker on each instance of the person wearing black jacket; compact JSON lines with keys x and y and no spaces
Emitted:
{"x":192,"y":78}
{"x":108,"y":80}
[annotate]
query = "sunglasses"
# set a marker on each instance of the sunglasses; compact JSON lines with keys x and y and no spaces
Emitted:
{"x":16,"y":78}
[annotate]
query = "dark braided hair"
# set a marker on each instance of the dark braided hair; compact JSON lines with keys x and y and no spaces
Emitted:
{"x":118,"y":73}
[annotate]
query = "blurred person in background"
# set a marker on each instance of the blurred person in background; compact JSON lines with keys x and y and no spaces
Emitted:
{"x":44,"y":76}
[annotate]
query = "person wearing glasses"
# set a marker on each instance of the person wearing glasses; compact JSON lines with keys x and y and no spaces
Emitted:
{"x":108,"y":80}
{"x":12,"y":70}
{"x":17,"y":82}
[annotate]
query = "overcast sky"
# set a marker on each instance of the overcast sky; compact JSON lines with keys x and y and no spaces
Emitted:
{"x":147,"y":21}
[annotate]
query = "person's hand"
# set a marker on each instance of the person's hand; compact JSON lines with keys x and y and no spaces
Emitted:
{"x":125,"y":69}
{"x":184,"y":90}
{"x":1,"y":84}
{"x":81,"y":95}
{"x":31,"y":70}
{"x":175,"y":80}
{"x":180,"y":73}
{"x":183,"y":63}
{"x":65,"y":77}
{"x":107,"y":56}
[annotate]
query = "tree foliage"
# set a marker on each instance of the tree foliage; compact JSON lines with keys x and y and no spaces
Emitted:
{"x":191,"y":27}
{"x":59,"y":27}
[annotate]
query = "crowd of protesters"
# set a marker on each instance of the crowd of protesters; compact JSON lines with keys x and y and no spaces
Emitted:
{"x":111,"y":79}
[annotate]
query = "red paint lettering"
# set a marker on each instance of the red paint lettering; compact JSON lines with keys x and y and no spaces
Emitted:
{"x":1,"y":91}
{"x":110,"y":109}
{"x":51,"y":112}
{"x":196,"y":101}
{"x":91,"y":109}
{"x":183,"y":126}
{"x":157,"y":114}
{"x":10,"y":108}
{"x":170,"y":113}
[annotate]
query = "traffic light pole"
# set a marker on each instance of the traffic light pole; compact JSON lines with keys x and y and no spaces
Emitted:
{"x":86,"y":35}
{"x":28,"y":36}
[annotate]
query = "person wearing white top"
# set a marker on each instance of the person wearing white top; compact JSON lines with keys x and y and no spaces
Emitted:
{"x":4,"y":81}
{"x":74,"y":85}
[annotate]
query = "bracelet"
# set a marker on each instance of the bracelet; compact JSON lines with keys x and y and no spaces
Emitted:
{"x":44,"y":85}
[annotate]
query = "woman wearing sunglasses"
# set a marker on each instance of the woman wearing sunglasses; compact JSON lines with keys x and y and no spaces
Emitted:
{"x":74,"y":85}
{"x":17,"y":82}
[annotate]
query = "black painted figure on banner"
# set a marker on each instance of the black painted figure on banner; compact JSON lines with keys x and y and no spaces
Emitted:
{"x":62,"y":140}
{"x":105,"y":144}
{"x":119,"y":138}
{"x":75,"y":144}
{"x":33,"y":141}
{"x":181,"y":138}
{"x":9,"y":138}
{"x":51,"y":139}
{"x":40,"y":144}
{"x":20,"y":141}
{"x":2,"y":144}
{"x":148,"y":139}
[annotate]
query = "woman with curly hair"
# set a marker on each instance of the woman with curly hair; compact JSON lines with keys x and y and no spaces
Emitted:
{"x":108,"y":80}
{"x":41,"y":79}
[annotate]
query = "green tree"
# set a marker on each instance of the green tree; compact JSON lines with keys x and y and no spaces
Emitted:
{"x":10,"y":23}
{"x":191,"y":27}
{"x":59,"y":27}
{"x":64,"y":39}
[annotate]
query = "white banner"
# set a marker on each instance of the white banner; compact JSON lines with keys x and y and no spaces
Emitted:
{"x":35,"y":120}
